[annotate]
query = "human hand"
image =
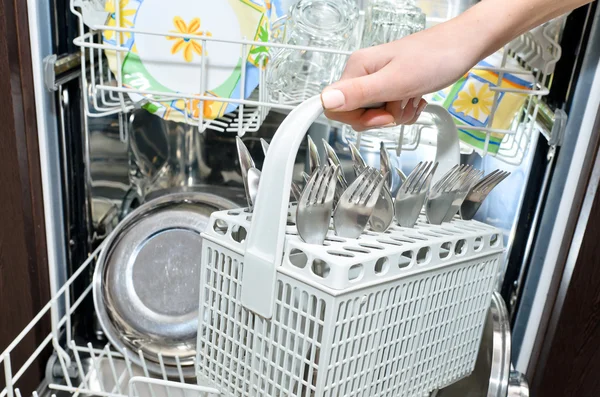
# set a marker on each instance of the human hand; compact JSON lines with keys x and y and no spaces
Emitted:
{"x":398,"y":74}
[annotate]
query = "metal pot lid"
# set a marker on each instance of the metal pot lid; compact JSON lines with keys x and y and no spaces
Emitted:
{"x":146,"y":286}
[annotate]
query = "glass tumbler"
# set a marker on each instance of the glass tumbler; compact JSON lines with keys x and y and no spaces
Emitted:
{"x":389,"y":20}
{"x":295,"y":75}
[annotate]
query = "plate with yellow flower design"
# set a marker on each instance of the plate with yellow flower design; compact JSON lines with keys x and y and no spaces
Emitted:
{"x":170,"y":64}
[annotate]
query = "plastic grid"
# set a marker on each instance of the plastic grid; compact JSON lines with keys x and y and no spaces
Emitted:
{"x":408,"y":335}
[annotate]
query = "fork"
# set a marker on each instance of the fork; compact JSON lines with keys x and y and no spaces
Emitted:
{"x":383,"y":213}
{"x":412,"y":194}
{"x":355,"y":207}
{"x":313,"y":214}
{"x":441,"y":195}
{"x":479,"y":192}
{"x":469,"y":180}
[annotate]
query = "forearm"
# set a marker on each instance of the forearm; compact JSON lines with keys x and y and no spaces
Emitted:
{"x":491,"y":23}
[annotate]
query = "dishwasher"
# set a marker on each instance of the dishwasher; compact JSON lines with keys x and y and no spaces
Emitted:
{"x":139,"y":151}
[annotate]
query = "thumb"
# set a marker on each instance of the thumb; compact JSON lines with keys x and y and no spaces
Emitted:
{"x":359,"y":92}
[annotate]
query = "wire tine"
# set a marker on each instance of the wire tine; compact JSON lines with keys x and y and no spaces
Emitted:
{"x":315,"y":189}
{"x":323,"y":185}
{"x":360,"y":190}
{"x":474,"y":176}
{"x":412,"y":176}
{"x":358,"y":182}
{"x":421,"y":177}
{"x":369,"y":188}
{"x":442,"y":182}
{"x":491,"y":180}
{"x":296,"y":191}
{"x":425,"y":185}
{"x":378,"y":183}
{"x":497,"y":182}
{"x":451,"y":178}
{"x":485,"y":179}
{"x":308,"y":188}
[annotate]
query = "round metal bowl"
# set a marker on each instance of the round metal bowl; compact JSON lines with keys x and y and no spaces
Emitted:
{"x":492,"y":376}
{"x":147,"y":279}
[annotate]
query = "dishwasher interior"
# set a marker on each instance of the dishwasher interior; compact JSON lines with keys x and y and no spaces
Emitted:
{"x":115,"y":156}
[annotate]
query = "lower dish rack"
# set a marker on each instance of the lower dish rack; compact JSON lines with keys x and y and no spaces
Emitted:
{"x":435,"y":318}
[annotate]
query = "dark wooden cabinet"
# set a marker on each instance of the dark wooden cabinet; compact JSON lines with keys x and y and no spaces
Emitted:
{"x":24,"y":285}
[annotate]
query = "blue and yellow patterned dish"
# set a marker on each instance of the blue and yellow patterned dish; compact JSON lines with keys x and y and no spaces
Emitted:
{"x":163,"y":63}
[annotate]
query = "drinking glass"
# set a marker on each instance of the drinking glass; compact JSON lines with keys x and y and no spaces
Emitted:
{"x":295,"y":75}
{"x":389,"y":20}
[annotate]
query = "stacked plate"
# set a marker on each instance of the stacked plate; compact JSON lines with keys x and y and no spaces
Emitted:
{"x":146,"y":282}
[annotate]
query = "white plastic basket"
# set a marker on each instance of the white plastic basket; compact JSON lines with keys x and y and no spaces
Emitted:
{"x":394,"y":313}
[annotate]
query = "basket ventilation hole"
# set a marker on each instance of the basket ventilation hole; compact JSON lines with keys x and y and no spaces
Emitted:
{"x":461,"y":247}
{"x":494,"y":240}
{"x":372,"y":246}
{"x":320,"y":268}
{"x":381,"y":266}
{"x":298,"y":258}
{"x":238,"y":234}
{"x":445,"y":250}
{"x":359,"y":250}
{"x":405,"y":259}
{"x":220,"y":226}
{"x":423,"y":256}
{"x":478,"y":245}
{"x":355,"y":272}
{"x":341,"y":253}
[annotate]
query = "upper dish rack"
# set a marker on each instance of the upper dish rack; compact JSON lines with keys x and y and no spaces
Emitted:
{"x":536,"y":52}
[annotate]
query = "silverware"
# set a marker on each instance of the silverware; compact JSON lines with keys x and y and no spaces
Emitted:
{"x":467,"y":183}
{"x":313,"y":155}
{"x":401,"y":175}
{"x":313,"y":214}
{"x":246,"y":163}
{"x":358,"y":162}
{"x":296,"y":191}
{"x":253,"y":179}
{"x":333,"y":159}
{"x":385,"y":165}
{"x":441,"y":195}
{"x":356,"y":204}
{"x":265,"y":146}
{"x":479,"y":192}
{"x":383,"y":213}
{"x":412,"y":194}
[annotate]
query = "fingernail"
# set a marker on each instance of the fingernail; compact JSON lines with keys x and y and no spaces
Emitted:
{"x":392,"y":124}
{"x":333,"y":99}
{"x":416,"y":101}
{"x":404,"y":103}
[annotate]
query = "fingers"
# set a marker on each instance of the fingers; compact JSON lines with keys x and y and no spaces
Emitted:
{"x":358,"y":92}
{"x":394,"y":113}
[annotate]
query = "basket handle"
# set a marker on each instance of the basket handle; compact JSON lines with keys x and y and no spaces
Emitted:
{"x":266,"y":238}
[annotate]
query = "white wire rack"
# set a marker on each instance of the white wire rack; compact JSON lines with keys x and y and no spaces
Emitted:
{"x":537,"y":52}
{"x":83,"y":369}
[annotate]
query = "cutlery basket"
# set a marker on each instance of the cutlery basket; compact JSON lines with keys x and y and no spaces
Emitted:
{"x":397,"y":313}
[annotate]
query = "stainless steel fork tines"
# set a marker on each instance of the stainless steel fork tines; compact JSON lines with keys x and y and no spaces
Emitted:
{"x":442,"y":194}
{"x":314,"y":161}
{"x":356,"y":204}
{"x":479,"y":192}
{"x":470,"y":178}
{"x":412,"y":194}
{"x":313,"y":214}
